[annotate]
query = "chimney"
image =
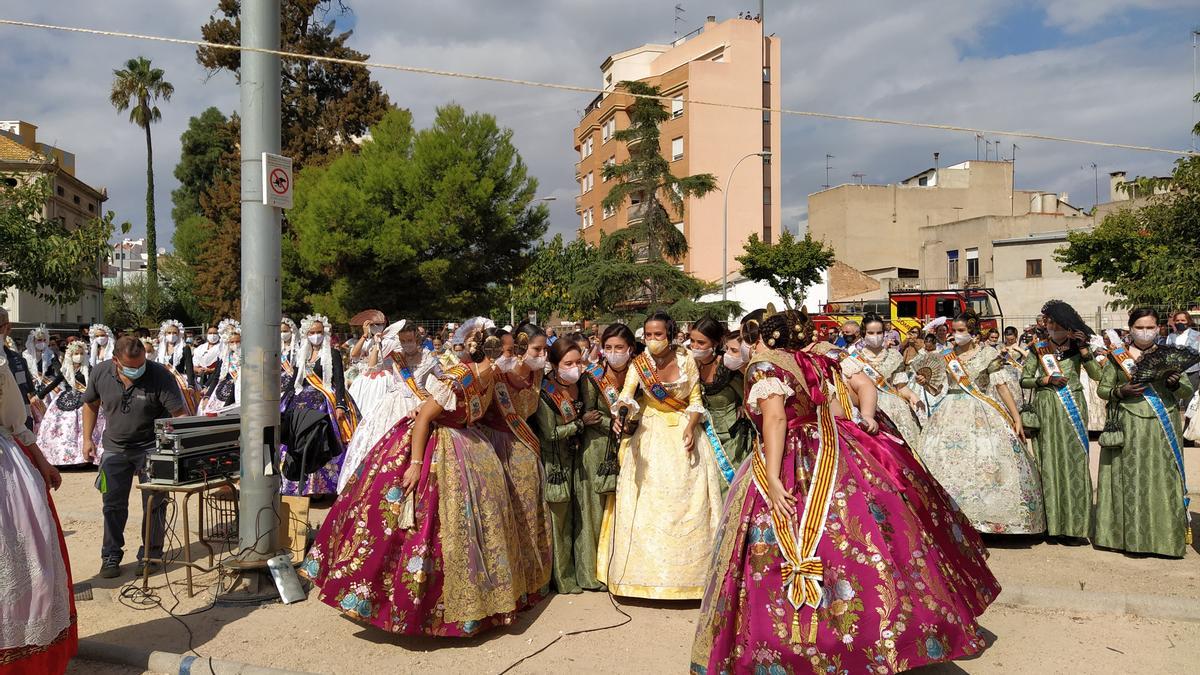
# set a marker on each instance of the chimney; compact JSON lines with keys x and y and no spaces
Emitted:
{"x":1062,"y":197}
{"x":1115,"y":194}
{"x":710,"y":19}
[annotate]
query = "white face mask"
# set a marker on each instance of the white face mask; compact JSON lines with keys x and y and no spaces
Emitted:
{"x":701,"y":354}
{"x":733,"y":360}
{"x":569,"y":375}
{"x":172,"y":338}
{"x":285,"y":337}
{"x":616,"y":359}
{"x":873,"y":341}
{"x":506,"y":364}
{"x":962,"y":338}
{"x":102,"y":340}
{"x":213,"y":338}
{"x":39,"y":346}
{"x":535,"y":362}
{"x":1144,"y":337}
{"x":316,"y":339}
{"x":1057,"y":335}
{"x":77,"y":359}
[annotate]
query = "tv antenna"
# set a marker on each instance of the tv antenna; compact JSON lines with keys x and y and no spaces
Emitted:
{"x":679,"y":12}
{"x":858,"y":176}
{"x":827,"y":168}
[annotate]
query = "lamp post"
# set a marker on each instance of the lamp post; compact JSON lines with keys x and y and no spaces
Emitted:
{"x":766,"y":155}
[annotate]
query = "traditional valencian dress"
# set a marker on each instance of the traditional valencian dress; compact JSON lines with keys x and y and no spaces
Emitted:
{"x":877,"y":573}
{"x":178,"y":360}
{"x":970,"y":446}
{"x":722,"y":399}
{"x":38,"y":631}
{"x":658,"y":529}
{"x":1061,"y":443}
{"x":1141,"y":500}
{"x":60,"y":436}
{"x":886,"y":370}
{"x":445,"y":568}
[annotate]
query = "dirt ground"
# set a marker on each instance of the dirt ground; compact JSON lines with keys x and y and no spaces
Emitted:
{"x":310,"y":636}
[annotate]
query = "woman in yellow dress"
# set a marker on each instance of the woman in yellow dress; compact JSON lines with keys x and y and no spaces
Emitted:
{"x":657,"y":533}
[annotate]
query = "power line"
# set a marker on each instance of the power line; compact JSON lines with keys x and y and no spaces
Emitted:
{"x":596,"y":90}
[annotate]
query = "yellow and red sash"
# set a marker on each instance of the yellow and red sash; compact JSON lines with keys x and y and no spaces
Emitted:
{"x":609,"y":387}
{"x":515,"y":422}
{"x":472,"y":394}
{"x":956,"y":370}
{"x":563,"y":404}
{"x":349,"y":421}
{"x":649,"y":376}
{"x":802,"y":569}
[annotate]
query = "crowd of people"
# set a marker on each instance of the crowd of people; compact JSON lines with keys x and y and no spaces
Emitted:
{"x":822,"y":493}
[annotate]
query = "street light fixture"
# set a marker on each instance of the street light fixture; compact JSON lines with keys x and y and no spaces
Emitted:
{"x":766,"y":156}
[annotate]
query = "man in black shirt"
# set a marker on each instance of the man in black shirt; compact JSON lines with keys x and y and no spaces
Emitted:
{"x":133,"y":392}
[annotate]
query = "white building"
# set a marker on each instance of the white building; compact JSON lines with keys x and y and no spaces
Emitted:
{"x":127,"y":262}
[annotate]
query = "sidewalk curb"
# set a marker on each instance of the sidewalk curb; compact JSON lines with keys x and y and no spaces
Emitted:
{"x":1132,"y":604}
{"x":167,"y":662}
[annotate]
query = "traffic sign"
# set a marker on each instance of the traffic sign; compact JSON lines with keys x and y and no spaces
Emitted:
{"x":277,"y":180}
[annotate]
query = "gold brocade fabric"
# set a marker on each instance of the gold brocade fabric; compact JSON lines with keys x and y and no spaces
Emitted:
{"x":478,"y":532}
{"x":657,"y":532}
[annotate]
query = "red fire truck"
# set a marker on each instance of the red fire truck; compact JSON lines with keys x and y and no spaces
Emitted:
{"x":908,"y":308}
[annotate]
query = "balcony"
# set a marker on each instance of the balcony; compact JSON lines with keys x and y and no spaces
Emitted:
{"x":579,"y":170}
{"x":636,"y":213}
{"x":578,"y":204}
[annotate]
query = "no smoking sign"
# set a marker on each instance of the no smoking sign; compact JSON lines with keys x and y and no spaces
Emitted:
{"x":277,"y":180}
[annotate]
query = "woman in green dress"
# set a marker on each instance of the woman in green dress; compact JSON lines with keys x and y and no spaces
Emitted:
{"x":563,"y":417}
{"x":722,"y":390}
{"x":1061,"y":443}
{"x":1140,"y":504}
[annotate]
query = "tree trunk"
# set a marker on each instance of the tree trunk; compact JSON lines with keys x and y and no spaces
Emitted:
{"x":151,"y":234}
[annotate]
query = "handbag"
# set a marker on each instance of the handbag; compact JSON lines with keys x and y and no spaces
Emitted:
{"x":1029,"y":417}
{"x":1113,"y":437}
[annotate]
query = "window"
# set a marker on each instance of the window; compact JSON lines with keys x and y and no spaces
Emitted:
{"x":58,"y":189}
{"x":585,"y":149}
{"x":76,"y":199}
{"x":609,"y":128}
{"x":677,"y":106}
{"x":952,"y":267}
{"x":923,"y":181}
{"x":586,"y":215}
{"x":611,"y":161}
{"x":589,"y":146}
{"x":906,"y":309}
{"x":677,"y":149}
{"x":766,"y":195}
{"x":972,"y":266}
{"x":607,"y":212}
{"x":589,"y":181}
{"x":767,"y":116}
{"x":766,"y":74}
{"x":1033,"y":269}
{"x":947,"y":307}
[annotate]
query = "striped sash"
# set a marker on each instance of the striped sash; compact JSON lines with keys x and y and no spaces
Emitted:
{"x":349,"y":421}
{"x":649,"y":376}
{"x":515,"y":422}
{"x":1052,"y":368}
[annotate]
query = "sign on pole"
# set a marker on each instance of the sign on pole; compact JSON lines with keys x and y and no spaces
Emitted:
{"x":277,"y":180}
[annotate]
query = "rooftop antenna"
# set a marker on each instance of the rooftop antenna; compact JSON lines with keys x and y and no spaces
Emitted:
{"x":827,"y":168}
{"x":679,"y":12}
{"x":858,"y":176}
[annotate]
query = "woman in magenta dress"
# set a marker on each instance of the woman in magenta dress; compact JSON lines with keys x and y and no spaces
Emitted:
{"x":837,"y":551}
{"x":424,"y":540}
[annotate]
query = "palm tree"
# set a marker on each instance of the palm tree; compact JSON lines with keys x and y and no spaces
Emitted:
{"x":135,"y":88}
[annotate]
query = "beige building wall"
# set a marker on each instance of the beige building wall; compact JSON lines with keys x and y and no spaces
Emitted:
{"x":1022,"y":292}
{"x":722,"y":63}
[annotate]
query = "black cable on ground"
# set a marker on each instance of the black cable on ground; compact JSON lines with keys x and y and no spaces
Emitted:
{"x":525,"y":658}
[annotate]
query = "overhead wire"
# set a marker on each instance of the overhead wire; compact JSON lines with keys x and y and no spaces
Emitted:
{"x":421,"y":70}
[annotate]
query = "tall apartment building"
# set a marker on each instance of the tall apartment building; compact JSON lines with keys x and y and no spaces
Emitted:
{"x":728,"y":62}
{"x":72,"y":201}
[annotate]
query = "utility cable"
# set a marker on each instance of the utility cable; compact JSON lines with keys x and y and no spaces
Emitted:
{"x":594,"y":90}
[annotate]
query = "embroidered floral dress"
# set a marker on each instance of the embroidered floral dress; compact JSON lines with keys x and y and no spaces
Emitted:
{"x":60,"y":435}
{"x":658,"y":528}
{"x":972,"y":450}
{"x":452,"y":573}
{"x":902,"y":574}
{"x":890,"y":364}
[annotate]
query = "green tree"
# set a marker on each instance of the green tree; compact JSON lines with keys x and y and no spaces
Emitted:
{"x":41,"y":255}
{"x":207,"y":138}
{"x":136,"y":88}
{"x":547,"y":286}
{"x":789,"y":266}
{"x":439,"y":220}
{"x":1145,"y":256}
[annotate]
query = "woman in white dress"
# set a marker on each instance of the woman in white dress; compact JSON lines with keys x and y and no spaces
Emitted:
{"x":378,"y":374}
{"x":224,"y":393}
{"x":61,"y":434}
{"x":206,"y":358}
{"x":885,"y":367}
{"x":974,"y":444}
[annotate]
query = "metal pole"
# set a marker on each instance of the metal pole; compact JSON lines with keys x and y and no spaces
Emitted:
{"x":725,"y":224}
{"x":260,"y":89}
{"x":1195,"y":33}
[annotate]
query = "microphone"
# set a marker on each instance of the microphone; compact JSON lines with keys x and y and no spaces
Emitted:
{"x":622,"y":413}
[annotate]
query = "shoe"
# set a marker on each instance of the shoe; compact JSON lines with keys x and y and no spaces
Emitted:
{"x":110,"y":567}
{"x":144,"y":567}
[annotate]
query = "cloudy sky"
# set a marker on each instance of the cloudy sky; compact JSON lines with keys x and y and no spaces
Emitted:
{"x":1114,"y":70}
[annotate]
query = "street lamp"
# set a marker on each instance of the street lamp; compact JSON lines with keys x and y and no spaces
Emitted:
{"x":766,"y":155}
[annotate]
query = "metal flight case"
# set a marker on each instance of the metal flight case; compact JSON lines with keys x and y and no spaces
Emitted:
{"x":193,"y":449}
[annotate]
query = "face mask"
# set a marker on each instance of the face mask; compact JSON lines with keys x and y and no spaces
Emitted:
{"x":733,"y":360}
{"x":873,"y":341}
{"x":535,"y":362}
{"x":657,"y":347}
{"x":40,"y":346}
{"x":133,"y":373}
{"x":962,"y":338}
{"x":569,"y":375}
{"x":506,"y":364}
{"x":1180,"y":327}
{"x":316,"y":339}
{"x":285,"y":337}
{"x":172,"y":338}
{"x":102,"y":340}
{"x":1144,"y":337}
{"x":213,"y":338}
{"x":701,"y":354}
{"x":616,"y":359}
{"x":77,"y":359}
{"x":1057,"y":335}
